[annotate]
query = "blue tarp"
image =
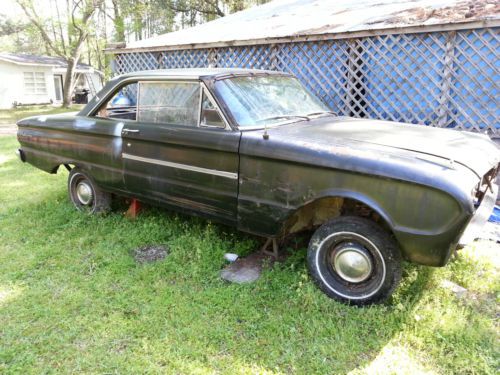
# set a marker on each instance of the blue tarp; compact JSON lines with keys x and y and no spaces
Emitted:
{"x":495,"y":216}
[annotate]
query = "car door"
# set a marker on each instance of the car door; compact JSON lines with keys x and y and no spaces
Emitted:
{"x":99,"y":139}
{"x":180,"y":152}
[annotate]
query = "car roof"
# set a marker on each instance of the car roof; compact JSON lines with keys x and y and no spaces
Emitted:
{"x":188,"y":74}
{"x":197,"y":72}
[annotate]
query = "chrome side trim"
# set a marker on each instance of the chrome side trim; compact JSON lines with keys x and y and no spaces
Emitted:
{"x":215,"y":172}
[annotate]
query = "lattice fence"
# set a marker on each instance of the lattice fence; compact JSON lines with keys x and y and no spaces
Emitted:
{"x":446,"y":79}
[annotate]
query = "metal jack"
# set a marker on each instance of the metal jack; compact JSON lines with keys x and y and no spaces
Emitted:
{"x":275,"y":249}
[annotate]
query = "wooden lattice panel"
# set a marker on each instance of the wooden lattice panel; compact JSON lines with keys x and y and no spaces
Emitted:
{"x":446,"y":79}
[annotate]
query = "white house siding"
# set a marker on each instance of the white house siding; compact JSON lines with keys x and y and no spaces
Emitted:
{"x":12,"y":85}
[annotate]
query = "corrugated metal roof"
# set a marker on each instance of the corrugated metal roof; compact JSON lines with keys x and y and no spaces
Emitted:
{"x":38,"y":60}
{"x":303,"y":18}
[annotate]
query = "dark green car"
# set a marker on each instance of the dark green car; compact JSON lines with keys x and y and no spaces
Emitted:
{"x":255,"y":150}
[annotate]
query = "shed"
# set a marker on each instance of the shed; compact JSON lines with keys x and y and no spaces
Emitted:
{"x":431,"y":62}
{"x":33,"y":79}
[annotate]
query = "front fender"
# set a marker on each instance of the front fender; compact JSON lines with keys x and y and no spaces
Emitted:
{"x":424,"y":220}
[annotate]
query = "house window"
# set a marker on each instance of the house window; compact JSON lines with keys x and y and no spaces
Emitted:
{"x":34,"y":83}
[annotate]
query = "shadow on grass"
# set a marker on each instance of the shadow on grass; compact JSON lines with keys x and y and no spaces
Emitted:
{"x":87,"y":306}
{"x":75,"y":299}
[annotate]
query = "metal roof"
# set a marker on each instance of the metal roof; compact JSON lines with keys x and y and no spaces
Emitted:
{"x":286,"y":20}
{"x":38,"y":60}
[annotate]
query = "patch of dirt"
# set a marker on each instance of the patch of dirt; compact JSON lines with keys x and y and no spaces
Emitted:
{"x":150,"y":253}
{"x":8,"y":129}
{"x":484,"y":303}
{"x":491,"y":232}
{"x":249,"y":268}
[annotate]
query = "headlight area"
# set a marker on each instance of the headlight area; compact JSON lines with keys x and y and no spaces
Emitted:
{"x":484,"y":201}
{"x":485,"y":185}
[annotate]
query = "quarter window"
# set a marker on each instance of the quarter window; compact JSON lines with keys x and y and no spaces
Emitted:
{"x":174,"y":103}
{"x":34,"y":83}
{"x":123,"y":105}
{"x":209,"y":114}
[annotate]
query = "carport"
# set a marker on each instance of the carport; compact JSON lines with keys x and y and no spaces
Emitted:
{"x":422,"y":62}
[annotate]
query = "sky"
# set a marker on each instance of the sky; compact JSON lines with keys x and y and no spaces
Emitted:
{"x":12,"y":10}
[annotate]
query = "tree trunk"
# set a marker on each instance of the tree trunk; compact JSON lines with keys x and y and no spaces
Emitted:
{"x":69,"y":85}
{"x":69,"y":82}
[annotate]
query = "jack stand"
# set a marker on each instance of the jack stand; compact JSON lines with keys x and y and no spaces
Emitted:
{"x":134,"y":209}
{"x":275,"y":251}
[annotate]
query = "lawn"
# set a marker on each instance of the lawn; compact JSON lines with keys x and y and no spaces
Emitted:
{"x":73,"y":299}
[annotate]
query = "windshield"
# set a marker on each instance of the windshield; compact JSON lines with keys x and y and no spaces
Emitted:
{"x":267,"y":100}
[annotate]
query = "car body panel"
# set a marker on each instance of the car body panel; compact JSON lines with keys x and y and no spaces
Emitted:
{"x":64,"y":139}
{"x":451,"y":145}
{"x":190,"y":167}
{"x":272,"y":190}
{"x":420,"y":181}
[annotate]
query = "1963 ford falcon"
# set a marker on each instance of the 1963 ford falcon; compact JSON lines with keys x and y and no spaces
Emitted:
{"x":255,"y":150}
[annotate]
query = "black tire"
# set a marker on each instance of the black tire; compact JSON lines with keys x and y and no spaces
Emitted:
{"x":353,"y":260}
{"x":98,"y":201}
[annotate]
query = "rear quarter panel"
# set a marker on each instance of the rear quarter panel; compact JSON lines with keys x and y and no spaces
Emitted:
{"x":92,"y":143}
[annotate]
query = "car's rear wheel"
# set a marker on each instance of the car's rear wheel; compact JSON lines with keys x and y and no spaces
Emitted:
{"x":353,"y":260}
{"x":85,"y":194}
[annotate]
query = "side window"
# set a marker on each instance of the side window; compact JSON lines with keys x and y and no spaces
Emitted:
{"x":123,"y":105}
{"x":209,"y":114}
{"x":175,"y":103}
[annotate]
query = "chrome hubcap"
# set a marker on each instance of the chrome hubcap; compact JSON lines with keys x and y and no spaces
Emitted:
{"x":84,"y":193}
{"x":352,"y":262}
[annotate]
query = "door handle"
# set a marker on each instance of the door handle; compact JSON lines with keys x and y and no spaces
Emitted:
{"x":130,"y":130}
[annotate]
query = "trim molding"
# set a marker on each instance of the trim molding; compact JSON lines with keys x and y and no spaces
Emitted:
{"x":215,"y":172}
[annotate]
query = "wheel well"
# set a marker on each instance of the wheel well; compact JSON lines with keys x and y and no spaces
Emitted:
{"x":68,"y":167}
{"x":318,"y":212}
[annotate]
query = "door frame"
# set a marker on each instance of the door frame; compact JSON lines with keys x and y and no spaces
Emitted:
{"x":178,"y":171}
{"x":61,"y":80}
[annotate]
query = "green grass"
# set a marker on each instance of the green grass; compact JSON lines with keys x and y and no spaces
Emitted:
{"x":11,"y":116}
{"x":73,"y":300}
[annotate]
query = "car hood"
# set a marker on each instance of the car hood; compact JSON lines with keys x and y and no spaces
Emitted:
{"x":475,"y":151}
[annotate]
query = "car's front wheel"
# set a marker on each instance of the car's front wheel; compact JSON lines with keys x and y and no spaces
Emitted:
{"x":85,"y":194}
{"x":354,"y":260}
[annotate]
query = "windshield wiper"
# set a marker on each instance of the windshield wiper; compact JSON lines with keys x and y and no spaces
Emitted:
{"x":284,"y":117}
{"x":322,"y":113}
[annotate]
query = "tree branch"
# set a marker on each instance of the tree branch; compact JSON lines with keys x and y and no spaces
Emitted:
{"x":216,"y":11}
{"x":60,"y":27}
{"x":38,"y":24}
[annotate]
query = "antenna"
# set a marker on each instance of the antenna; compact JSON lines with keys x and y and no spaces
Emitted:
{"x":265,"y":135}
